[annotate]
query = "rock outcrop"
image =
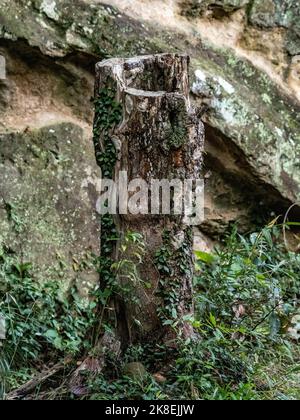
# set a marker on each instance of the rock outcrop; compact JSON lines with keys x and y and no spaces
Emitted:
{"x":48,"y":191}
{"x":245,"y":77}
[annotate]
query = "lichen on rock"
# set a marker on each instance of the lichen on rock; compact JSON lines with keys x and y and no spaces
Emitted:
{"x":49,"y":8}
{"x":281,"y":14}
{"x":266,"y":131}
{"x":250,"y":89}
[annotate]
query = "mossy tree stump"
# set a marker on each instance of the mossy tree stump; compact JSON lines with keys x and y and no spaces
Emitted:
{"x":145,"y":125}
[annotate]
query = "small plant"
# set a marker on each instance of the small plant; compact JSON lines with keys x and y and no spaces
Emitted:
{"x":246,"y":293}
{"x":173,"y":264}
{"x":250,"y":284}
{"x":132,"y":251}
{"x":40,"y":323}
{"x":13,"y":217}
{"x":122,"y":278}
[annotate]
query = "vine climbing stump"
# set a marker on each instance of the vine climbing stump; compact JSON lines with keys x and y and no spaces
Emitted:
{"x":157,"y":136}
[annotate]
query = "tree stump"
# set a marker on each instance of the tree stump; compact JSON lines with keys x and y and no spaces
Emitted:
{"x":145,"y":127}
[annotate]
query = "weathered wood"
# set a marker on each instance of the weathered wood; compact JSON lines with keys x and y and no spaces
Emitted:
{"x":159,"y":137}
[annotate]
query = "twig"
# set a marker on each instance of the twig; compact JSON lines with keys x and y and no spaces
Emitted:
{"x":38,"y":380}
{"x":284,"y":225}
{"x":265,"y":317}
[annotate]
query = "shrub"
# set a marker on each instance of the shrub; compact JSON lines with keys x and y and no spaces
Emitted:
{"x":40,"y":322}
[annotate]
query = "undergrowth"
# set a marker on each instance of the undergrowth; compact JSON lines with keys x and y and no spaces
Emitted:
{"x":246,"y":293}
{"x":41,"y":324}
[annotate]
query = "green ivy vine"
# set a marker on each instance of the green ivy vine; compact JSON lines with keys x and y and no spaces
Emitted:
{"x":108,"y":113}
{"x":172,"y":265}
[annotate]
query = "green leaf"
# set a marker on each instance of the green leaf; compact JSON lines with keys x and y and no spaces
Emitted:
{"x":293,"y":223}
{"x":204,"y":257}
{"x":58,"y":343}
{"x":52,"y":334}
{"x":212,"y":320}
{"x":174,"y":313}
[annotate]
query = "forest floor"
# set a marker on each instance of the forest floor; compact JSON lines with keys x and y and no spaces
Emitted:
{"x":247,"y":319}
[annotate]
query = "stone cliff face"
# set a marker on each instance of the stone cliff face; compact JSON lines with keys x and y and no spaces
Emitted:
{"x":245,"y":78}
{"x":47,"y":190}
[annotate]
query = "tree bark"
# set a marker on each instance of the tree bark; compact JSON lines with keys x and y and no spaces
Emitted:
{"x":156,"y":136}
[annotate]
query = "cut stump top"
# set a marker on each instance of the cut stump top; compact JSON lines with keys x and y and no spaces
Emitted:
{"x":149,"y":75}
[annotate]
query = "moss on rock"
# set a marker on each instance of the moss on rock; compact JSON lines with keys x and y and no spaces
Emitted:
{"x":48,"y":197}
{"x":248,"y":110}
{"x":260,"y":122}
